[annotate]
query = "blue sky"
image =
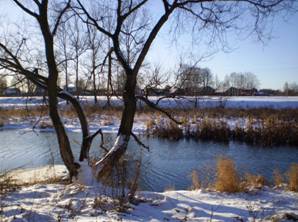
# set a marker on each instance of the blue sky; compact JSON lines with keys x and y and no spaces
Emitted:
{"x":274,"y":62}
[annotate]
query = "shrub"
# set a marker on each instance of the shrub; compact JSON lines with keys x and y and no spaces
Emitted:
{"x":293,"y":177}
{"x":227,"y":179}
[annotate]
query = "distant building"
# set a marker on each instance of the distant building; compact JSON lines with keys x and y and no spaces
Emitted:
{"x":206,"y":91}
{"x":151,"y":91}
{"x":249,"y":92}
{"x":12,"y":92}
{"x":232,"y":91}
{"x":268,"y":92}
{"x":70,"y":88}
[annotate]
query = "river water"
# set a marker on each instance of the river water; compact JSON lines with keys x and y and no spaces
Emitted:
{"x":167,"y":164}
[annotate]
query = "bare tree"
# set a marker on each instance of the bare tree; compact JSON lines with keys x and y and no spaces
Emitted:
{"x":79,"y":43}
{"x":64,"y":52}
{"x":242,"y":80}
{"x":94,"y":45}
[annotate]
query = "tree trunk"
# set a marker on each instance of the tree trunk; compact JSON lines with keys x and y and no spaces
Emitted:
{"x":104,"y":166}
{"x":109,"y":79}
{"x":64,"y":145}
{"x":93,"y":76}
{"x":86,"y":140}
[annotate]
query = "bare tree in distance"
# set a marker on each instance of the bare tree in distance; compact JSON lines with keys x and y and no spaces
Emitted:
{"x":245,"y":80}
{"x":79,"y":43}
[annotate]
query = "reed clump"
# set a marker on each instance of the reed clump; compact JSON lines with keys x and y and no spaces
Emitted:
{"x":168,"y":130}
{"x":293,"y":177}
{"x":227,"y":179}
{"x":278,"y":178}
{"x":195,"y":181}
{"x":210,"y":129}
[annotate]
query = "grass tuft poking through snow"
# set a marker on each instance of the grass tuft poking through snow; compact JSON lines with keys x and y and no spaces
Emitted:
{"x":278,"y":178}
{"x":227,"y":179}
{"x":195,"y":181}
{"x":293,"y":177}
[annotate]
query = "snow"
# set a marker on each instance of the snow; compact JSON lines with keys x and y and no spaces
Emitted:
{"x":244,"y":102}
{"x":38,"y":174}
{"x":75,"y":202}
{"x":85,"y":174}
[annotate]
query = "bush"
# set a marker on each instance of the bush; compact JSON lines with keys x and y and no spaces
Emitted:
{"x":227,"y":179}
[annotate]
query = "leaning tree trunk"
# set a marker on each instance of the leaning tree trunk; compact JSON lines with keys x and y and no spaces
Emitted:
{"x":104,"y":166}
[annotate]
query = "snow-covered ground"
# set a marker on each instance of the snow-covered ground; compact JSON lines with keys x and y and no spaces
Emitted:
{"x":108,"y":124}
{"x":74,"y":202}
{"x":245,"y":102}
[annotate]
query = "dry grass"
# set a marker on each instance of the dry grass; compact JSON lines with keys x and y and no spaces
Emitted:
{"x":7,"y":184}
{"x":227,"y":179}
{"x":277,"y":178}
{"x":276,"y":127}
{"x":170,"y":188}
{"x":168,"y":130}
{"x":293,"y":177}
{"x":210,"y":129}
{"x":195,"y":181}
{"x":253,"y":181}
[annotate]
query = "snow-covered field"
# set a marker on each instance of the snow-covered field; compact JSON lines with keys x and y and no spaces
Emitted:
{"x":185,"y":102}
{"x":74,"y":202}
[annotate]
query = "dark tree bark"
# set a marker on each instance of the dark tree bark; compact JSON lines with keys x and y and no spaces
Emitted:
{"x":48,"y":37}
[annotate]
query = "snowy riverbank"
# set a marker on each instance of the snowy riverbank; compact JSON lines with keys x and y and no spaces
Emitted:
{"x":74,"y":202}
{"x":241,"y":102}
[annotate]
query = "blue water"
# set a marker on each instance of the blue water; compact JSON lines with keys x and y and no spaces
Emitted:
{"x":167,"y":164}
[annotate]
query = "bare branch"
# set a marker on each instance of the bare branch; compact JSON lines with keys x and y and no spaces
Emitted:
{"x":67,"y":6}
{"x":133,"y":9}
{"x":154,"y":106}
{"x":94,"y":22}
{"x":99,"y":131}
{"x":139,"y":141}
{"x":25,"y":9}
